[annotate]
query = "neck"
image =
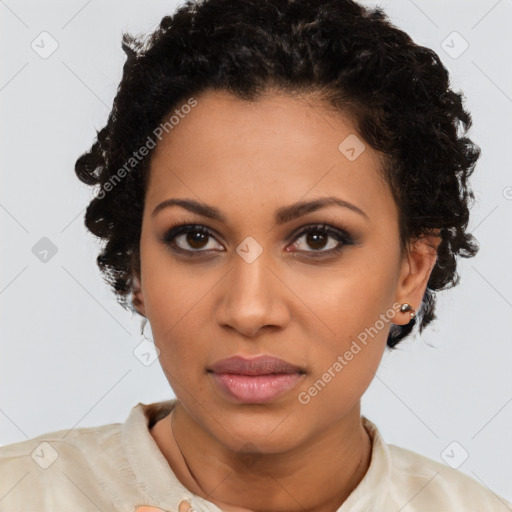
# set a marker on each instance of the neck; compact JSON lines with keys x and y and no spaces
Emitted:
{"x":316,"y":476}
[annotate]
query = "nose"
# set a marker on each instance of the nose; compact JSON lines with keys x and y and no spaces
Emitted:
{"x":252,"y":297}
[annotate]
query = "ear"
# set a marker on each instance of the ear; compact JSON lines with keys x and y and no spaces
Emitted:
{"x":417,"y":266}
{"x":138,"y":297}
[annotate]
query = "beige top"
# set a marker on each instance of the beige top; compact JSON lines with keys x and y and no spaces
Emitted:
{"x":119,"y":467}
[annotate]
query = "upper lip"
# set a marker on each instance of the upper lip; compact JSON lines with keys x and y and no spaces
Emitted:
{"x":261,"y":365}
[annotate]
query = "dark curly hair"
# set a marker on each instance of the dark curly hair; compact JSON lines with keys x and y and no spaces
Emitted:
{"x":351,"y":57}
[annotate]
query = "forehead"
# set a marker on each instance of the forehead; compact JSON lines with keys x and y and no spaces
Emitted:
{"x":278,"y":149}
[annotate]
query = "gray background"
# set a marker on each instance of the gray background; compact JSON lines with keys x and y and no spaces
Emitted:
{"x":67,"y":347}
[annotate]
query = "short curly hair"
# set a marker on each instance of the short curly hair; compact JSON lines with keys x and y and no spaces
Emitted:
{"x":397,"y":93}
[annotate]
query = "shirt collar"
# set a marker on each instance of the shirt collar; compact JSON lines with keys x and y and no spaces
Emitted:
{"x":156,"y":481}
{"x":161,"y":488}
{"x":371,"y":492}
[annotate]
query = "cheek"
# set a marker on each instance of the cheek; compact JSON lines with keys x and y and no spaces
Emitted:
{"x":171,"y":298}
{"x":342,"y":368}
{"x":171,"y":290}
{"x":345,"y":301}
{"x":182,"y":356}
{"x":353,"y":315}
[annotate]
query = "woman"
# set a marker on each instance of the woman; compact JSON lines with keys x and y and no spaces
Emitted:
{"x":282,"y":189}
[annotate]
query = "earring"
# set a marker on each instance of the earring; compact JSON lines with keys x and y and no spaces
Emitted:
{"x":143,"y":323}
{"x":407,"y":307}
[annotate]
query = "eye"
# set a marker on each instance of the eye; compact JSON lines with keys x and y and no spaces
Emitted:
{"x":195,"y":236}
{"x":317,"y":236}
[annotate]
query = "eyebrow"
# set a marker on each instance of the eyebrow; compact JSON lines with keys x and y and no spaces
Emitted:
{"x":282,"y":215}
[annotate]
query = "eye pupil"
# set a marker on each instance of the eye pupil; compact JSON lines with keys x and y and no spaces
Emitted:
{"x":196,"y":236}
{"x":313,"y":237}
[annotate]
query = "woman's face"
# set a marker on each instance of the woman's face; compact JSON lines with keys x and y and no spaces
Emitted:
{"x":255,"y":284}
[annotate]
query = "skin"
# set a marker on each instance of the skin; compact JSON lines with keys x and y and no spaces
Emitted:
{"x":249,"y":159}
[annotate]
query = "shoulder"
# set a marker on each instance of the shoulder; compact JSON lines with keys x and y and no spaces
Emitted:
{"x":69,"y":441}
{"x":59,"y":467}
{"x":401,"y":479}
{"x":432,"y":485}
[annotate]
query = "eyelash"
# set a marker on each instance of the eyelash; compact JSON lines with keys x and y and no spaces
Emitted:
{"x":342,"y":236}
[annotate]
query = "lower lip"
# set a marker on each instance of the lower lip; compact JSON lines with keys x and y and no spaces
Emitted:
{"x":255,"y":389}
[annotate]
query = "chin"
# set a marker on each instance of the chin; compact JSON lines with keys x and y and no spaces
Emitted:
{"x":264,"y":444}
{"x":258,"y":431}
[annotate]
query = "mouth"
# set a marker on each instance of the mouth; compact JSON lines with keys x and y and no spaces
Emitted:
{"x":255,"y":381}
{"x":261,"y":365}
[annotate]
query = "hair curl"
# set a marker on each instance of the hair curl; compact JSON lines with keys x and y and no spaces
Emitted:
{"x":354,"y":58}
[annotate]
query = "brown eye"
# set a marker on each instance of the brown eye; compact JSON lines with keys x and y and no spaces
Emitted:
{"x":193,"y":240}
{"x":317,"y":237}
{"x":189,"y":238}
{"x":196,"y":239}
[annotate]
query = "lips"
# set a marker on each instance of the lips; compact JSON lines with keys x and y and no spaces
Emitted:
{"x":261,"y":365}
{"x":255,"y":381}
